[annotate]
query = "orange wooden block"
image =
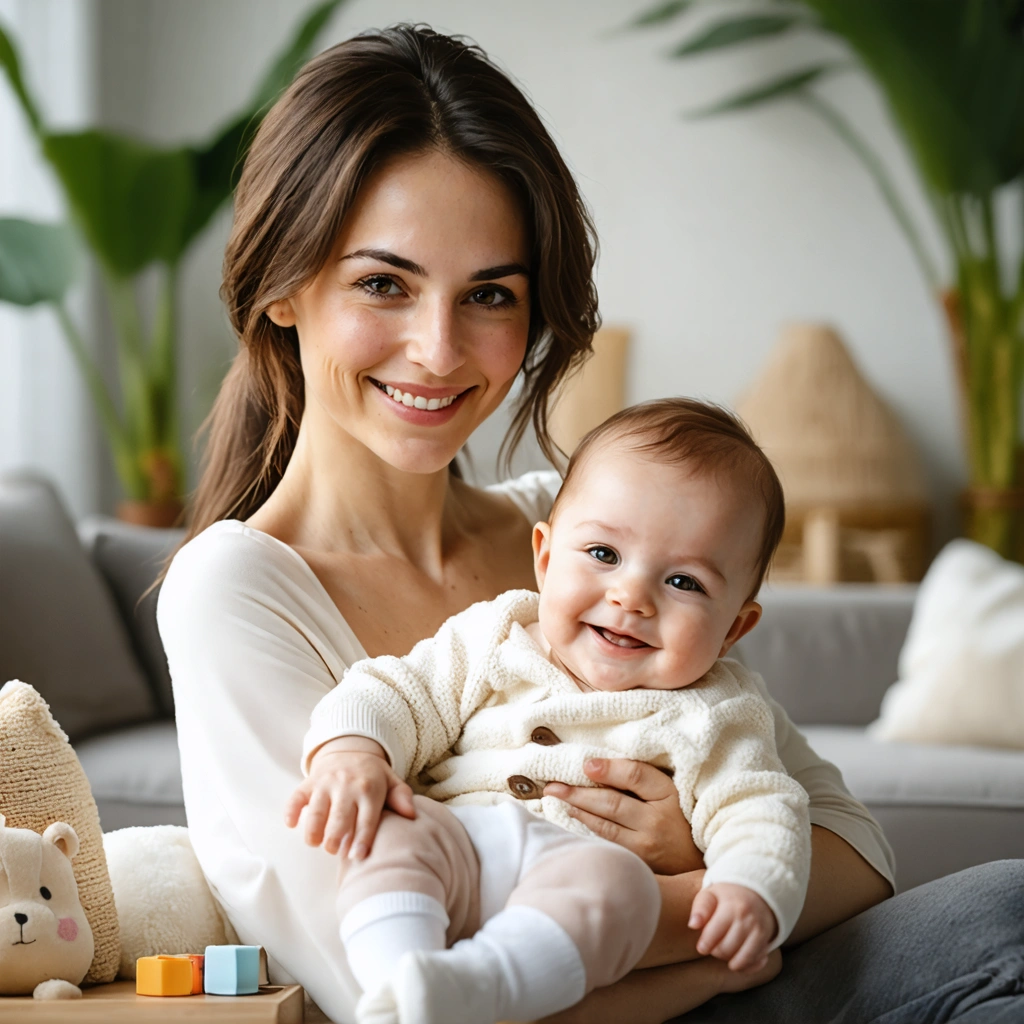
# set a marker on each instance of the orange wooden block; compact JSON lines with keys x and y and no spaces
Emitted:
{"x":196,"y":959}
{"x":164,"y":976}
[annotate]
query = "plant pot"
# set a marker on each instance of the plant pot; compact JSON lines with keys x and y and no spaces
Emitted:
{"x":159,"y":514}
{"x":995,"y":516}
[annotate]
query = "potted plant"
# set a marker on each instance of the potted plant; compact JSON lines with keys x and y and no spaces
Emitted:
{"x":133,"y":205}
{"x":952,"y":75}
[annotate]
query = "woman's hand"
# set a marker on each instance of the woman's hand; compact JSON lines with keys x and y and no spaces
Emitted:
{"x":349,"y":784}
{"x":637,"y":807}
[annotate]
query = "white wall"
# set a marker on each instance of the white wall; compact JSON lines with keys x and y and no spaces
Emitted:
{"x":46,"y":422}
{"x":713,"y":233}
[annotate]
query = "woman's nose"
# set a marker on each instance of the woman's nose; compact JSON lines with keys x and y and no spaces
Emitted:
{"x":434,"y":342}
{"x":631,"y":595}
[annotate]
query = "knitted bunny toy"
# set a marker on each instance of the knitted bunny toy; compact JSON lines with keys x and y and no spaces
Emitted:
{"x":46,"y":944}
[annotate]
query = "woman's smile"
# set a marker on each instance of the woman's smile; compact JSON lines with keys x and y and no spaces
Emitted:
{"x":419,"y":404}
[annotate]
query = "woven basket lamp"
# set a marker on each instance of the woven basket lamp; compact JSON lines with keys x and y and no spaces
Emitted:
{"x":856,"y":499}
{"x":596,"y":391}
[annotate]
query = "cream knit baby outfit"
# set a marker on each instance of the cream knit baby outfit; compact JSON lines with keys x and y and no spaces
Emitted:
{"x":482,"y":687}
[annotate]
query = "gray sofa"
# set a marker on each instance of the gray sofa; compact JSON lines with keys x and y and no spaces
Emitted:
{"x":74,"y":623}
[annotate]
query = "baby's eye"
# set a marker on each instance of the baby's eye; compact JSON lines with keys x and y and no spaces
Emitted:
{"x":683,"y":582}
{"x":603,"y":554}
{"x":381,"y":284}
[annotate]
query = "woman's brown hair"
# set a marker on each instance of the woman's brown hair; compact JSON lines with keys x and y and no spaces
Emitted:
{"x":402,"y":90}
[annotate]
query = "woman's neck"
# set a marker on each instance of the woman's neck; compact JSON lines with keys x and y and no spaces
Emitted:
{"x":342,"y":498}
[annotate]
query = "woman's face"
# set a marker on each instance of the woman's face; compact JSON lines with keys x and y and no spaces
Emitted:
{"x":412,"y":333}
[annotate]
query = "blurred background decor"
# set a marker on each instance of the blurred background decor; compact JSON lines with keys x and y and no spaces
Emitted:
{"x":138,"y":208}
{"x":596,"y":391}
{"x":857,"y":505}
{"x":952,"y":75}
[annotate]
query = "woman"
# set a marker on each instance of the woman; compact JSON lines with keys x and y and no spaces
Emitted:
{"x":408,"y":241}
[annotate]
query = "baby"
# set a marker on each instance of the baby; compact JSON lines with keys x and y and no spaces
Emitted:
{"x":488,"y":901}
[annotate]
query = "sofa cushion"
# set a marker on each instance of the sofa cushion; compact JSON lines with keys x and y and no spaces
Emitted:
{"x":962,"y":667}
{"x":135,"y":775}
{"x":59,"y":628}
{"x":828,"y":654}
{"x":129,"y":559}
{"x":942,"y":808}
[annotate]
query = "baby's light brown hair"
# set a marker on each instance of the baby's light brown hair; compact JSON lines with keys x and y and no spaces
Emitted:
{"x":703,"y":437}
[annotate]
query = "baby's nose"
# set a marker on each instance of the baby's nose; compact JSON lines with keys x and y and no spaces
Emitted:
{"x":21,"y":918}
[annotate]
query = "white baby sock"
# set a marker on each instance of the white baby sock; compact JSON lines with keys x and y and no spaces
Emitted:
{"x":521,"y":965}
{"x":380,"y":930}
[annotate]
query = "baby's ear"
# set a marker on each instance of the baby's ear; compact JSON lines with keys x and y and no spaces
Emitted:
{"x":746,"y":619}
{"x":541,"y":551}
{"x":64,"y":837}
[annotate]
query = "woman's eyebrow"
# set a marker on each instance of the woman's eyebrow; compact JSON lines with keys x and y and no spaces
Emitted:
{"x":384,"y":256}
{"x":401,"y":263}
{"x":502,"y":270}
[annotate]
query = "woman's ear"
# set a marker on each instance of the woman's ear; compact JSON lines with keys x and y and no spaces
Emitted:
{"x":282,"y":313}
{"x":747,"y":618}
{"x":541,"y":552}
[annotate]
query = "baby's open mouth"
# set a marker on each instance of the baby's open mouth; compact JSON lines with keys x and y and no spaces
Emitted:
{"x":619,"y":639}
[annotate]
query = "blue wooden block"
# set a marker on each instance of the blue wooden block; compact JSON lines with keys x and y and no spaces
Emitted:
{"x":231,"y":970}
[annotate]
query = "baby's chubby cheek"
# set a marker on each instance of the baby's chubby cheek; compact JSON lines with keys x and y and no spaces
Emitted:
{"x":67,"y":929}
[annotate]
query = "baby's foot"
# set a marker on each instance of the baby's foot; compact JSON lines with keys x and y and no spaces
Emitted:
{"x":449,"y":986}
{"x":432,"y":988}
{"x":377,"y":1007}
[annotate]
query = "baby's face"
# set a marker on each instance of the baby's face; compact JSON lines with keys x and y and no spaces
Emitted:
{"x":645,"y":572}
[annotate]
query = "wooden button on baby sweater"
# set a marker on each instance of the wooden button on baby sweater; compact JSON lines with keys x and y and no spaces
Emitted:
{"x":544,"y":736}
{"x":524,"y":788}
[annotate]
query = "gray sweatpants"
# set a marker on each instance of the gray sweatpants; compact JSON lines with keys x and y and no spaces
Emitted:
{"x":950,"y":950}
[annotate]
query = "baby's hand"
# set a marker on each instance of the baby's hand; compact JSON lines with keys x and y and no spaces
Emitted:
{"x":349,"y":783}
{"x":736,"y":925}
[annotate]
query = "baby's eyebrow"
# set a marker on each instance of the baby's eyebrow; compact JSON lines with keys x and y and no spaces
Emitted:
{"x":605,"y":527}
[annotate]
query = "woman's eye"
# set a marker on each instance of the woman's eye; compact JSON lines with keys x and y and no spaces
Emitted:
{"x":386,"y":287}
{"x":492,"y":296}
{"x":605,"y":555}
{"x":682,"y":582}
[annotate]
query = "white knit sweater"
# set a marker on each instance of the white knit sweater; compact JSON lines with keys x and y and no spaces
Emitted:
{"x":482,"y":687}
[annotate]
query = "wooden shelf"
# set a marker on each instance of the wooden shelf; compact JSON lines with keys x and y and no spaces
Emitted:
{"x":117,"y":1002}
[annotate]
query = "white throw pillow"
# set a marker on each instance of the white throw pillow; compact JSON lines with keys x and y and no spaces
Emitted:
{"x":962,"y":665}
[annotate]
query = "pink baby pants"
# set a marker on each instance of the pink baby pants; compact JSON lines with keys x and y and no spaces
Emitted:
{"x":476,"y":860}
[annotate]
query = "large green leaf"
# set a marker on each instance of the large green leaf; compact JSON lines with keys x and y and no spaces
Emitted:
{"x":12,"y":66}
{"x":737,"y":30}
{"x":953,"y":75}
{"x":38,"y":262}
{"x":217,"y":164}
{"x":778,"y":88}
{"x":660,"y":13}
{"x":130,"y":199}
{"x":288,"y":62}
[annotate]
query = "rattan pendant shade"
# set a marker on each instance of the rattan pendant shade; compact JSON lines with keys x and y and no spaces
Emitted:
{"x":832,"y":440}
{"x":840,"y":452}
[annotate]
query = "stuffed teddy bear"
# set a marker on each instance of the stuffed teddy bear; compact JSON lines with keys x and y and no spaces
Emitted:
{"x":46,"y":944}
